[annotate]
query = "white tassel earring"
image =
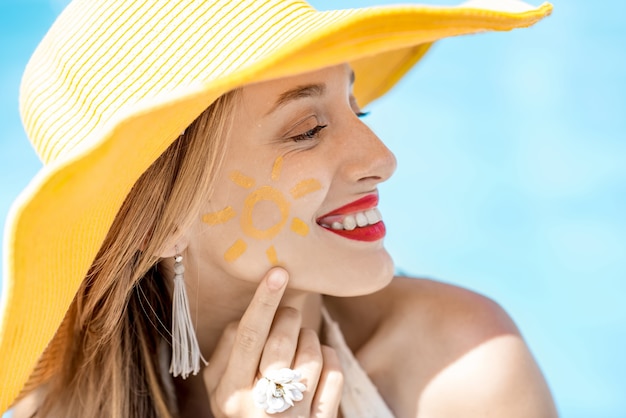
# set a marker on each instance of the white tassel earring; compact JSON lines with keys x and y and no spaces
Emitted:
{"x":186,"y":355}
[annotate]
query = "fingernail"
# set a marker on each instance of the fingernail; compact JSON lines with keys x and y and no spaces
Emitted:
{"x":277,"y":279}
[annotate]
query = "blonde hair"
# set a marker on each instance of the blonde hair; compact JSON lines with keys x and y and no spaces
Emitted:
{"x":112,"y":354}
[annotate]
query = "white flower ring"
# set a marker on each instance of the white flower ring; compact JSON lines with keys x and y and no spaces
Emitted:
{"x":278,"y":390}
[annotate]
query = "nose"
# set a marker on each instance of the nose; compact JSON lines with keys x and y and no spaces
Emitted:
{"x":367,"y":159}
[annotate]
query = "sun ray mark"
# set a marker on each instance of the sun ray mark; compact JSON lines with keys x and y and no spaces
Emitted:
{"x":271,"y":255}
{"x":235,"y":251}
{"x":264,"y":193}
{"x":299,"y":227}
{"x":219,"y":217}
{"x":278,"y":165}
{"x":242,"y":180}
{"x":305,"y":187}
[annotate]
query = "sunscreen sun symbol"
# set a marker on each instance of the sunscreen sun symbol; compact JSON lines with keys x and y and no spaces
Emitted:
{"x":262,"y":193}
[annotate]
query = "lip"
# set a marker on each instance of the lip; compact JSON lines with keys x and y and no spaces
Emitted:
{"x":367,"y":233}
{"x":366,"y":202}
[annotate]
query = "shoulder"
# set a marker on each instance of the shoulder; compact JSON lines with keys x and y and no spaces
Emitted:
{"x":27,"y":406}
{"x":457,"y":352}
{"x":433,"y":312}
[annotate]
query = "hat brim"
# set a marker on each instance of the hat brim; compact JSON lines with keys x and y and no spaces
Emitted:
{"x":75,"y":200}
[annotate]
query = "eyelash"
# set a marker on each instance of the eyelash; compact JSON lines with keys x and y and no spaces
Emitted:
{"x":312,"y":133}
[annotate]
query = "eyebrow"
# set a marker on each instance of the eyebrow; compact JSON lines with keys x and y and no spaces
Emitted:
{"x":300,"y":92}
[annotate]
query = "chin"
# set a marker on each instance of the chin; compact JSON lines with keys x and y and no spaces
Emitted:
{"x":348,"y":278}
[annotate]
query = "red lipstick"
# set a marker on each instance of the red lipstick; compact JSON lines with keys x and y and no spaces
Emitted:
{"x":345,"y":221}
{"x":366,"y":202}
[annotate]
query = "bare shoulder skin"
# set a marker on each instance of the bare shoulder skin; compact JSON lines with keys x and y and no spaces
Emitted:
{"x":28,"y":405}
{"x":436,"y":350}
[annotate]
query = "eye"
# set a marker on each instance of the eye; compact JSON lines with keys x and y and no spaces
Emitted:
{"x":310,"y":134}
{"x":356,"y":109}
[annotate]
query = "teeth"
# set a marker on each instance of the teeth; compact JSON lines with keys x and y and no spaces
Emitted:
{"x":337,"y":225}
{"x":359,"y":219}
{"x":349,"y":223}
{"x":373,"y":216}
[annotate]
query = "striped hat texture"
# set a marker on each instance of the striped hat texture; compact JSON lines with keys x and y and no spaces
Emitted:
{"x":114,"y":82}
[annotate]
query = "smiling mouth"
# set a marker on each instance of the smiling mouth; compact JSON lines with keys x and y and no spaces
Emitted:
{"x":359,"y":220}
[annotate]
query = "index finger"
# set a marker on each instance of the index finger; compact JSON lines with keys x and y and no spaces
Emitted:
{"x":254,"y":328}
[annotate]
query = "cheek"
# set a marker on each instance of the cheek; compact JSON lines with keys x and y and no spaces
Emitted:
{"x":250,"y":219}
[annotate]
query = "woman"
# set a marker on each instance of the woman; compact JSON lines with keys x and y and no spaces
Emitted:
{"x":210,"y":193}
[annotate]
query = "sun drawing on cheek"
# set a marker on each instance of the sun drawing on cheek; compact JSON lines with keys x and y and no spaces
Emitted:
{"x":260,"y":194}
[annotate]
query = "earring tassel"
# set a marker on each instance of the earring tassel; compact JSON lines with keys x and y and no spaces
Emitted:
{"x":186,"y":355}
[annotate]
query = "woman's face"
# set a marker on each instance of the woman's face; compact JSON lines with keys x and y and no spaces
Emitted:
{"x":298,"y":188}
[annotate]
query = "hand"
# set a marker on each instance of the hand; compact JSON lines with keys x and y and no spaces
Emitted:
{"x":270,"y":338}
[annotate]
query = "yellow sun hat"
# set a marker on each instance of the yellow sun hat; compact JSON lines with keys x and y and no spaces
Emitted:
{"x":114,"y":82}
